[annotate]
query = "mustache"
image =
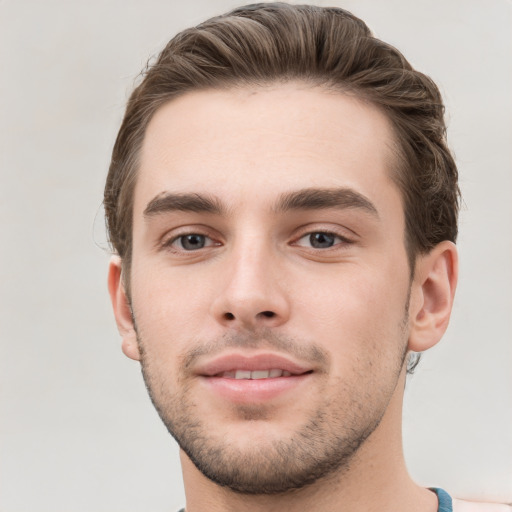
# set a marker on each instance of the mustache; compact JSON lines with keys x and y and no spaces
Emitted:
{"x":265,"y":339}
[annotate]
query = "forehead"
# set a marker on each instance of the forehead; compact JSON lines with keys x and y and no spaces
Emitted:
{"x":252,"y":144}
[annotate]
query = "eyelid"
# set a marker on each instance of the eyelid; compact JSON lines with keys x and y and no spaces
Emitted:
{"x":342,"y":240}
{"x":345,"y":234}
{"x":168,"y":239}
{"x":208,"y":241}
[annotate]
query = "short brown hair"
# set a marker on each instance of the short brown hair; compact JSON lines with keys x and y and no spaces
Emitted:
{"x":329,"y":47}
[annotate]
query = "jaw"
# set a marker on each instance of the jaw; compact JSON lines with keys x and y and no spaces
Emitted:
{"x":377,"y":464}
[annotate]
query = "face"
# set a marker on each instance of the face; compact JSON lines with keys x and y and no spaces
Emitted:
{"x":269,"y":280}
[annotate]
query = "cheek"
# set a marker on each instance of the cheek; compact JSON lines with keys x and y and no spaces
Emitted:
{"x":350,"y":293}
{"x":358,"y":314}
{"x":167,"y":307}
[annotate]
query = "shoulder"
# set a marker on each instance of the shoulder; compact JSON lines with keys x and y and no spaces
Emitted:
{"x":473,"y":506}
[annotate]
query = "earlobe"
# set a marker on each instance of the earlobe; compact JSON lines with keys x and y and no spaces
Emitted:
{"x":435,"y":280}
{"x":122,"y":310}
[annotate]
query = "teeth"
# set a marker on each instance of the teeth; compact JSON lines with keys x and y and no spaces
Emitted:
{"x":256,"y":374}
{"x":260,"y":374}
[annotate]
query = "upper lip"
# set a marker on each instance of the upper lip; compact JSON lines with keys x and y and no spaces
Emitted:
{"x":262,"y":361}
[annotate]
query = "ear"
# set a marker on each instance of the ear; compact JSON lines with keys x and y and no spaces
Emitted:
{"x":122,"y":310}
{"x":432,"y":293}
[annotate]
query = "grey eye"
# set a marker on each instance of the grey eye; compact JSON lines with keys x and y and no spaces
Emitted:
{"x":322,"y":240}
{"x":192,"y":242}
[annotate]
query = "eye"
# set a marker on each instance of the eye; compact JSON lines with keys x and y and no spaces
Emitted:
{"x":321,"y":240}
{"x":191,"y":242}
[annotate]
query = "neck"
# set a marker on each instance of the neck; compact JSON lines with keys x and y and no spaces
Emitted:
{"x":376,"y":480}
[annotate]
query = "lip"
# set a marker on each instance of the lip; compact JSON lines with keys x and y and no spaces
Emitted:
{"x":255,"y":362}
{"x":252,"y":391}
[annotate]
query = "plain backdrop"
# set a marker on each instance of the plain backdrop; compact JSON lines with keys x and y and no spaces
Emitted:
{"x":77,"y":431}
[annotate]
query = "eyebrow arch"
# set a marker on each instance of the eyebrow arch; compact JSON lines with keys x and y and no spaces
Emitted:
{"x":320,"y":198}
{"x":185,"y":202}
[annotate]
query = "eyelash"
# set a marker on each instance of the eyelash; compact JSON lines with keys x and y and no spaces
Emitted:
{"x":169,"y":244}
{"x":341,"y":241}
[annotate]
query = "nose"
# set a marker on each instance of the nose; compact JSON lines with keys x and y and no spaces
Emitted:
{"x":252,"y":291}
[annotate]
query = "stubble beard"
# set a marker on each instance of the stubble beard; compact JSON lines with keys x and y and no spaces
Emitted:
{"x":320,"y":447}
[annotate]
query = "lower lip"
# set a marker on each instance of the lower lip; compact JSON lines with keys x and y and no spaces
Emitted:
{"x":254,"y":390}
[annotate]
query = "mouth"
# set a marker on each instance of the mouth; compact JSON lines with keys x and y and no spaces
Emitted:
{"x":256,"y":374}
{"x":258,"y":378}
{"x":252,"y":366}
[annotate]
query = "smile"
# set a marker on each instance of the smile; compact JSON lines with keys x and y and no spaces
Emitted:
{"x":251,"y":366}
{"x":253,"y":378}
{"x":253,"y":375}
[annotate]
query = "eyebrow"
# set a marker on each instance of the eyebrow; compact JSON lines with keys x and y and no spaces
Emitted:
{"x":322,"y":198}
{"x":304,"y":199}
{"x":169,"y":202}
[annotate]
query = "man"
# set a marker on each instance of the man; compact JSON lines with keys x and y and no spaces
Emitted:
{"x":283,"y":207}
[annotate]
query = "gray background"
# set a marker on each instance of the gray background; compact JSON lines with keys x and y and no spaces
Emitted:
{"x":77,"y":432}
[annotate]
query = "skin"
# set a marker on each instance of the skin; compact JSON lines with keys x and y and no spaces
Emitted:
{"x":345,"y":309}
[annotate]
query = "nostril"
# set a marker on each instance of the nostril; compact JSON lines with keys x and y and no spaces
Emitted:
{"x":267,"y":314}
